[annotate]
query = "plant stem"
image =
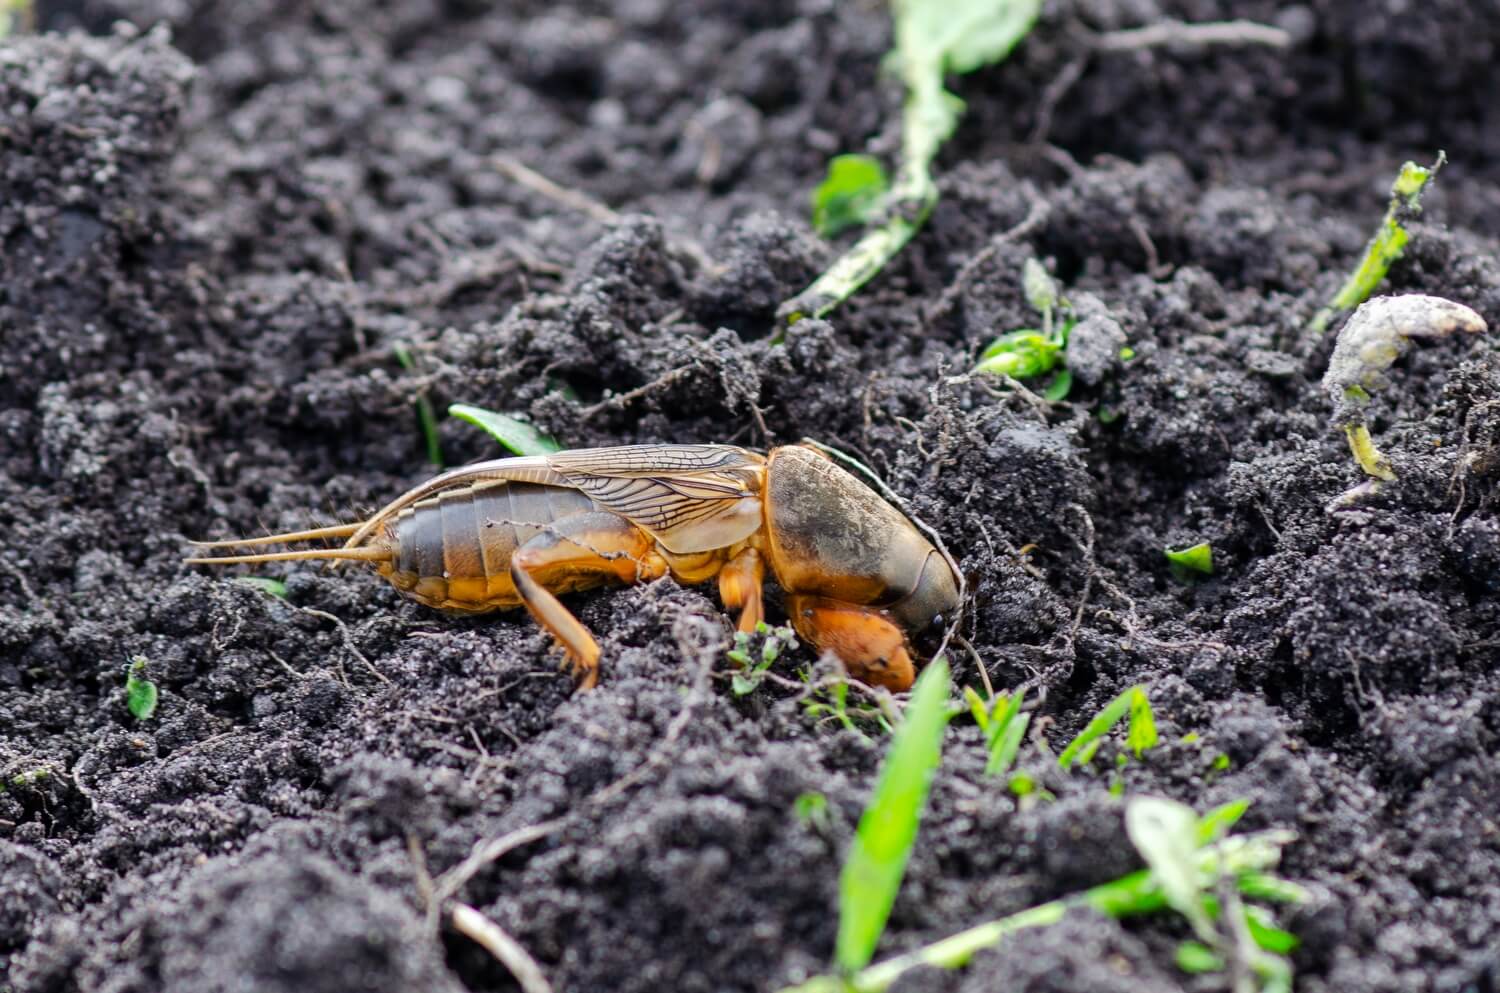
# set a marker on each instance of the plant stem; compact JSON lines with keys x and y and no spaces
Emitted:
{"x":1370,"y":458}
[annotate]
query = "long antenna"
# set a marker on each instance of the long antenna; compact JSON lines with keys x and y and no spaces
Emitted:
{"x":368,"y":553}
{"x":335,"y":531}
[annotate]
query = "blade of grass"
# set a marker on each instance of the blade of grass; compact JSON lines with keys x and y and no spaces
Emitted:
{"x":1132,"y":702}
{"x":887,"y":829}
{"x":517,"y":435}
{"x":425,"y":416}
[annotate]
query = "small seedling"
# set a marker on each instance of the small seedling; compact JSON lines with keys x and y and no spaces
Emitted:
{"x":1386,"y":246}
{"x":140,"y":692}
{"x":812,"y":809}
{"x":1192,"y":563}
{"x":934,"y":39}
{"x":425,"y":416}
{"x":517,"y":435}
{"x":1377,"y":335}
{"x":754,"y":665}
{"x":1028,"y":352}
{"x":1201,"y":864}
{"x":1004,"y":727}
{"x":849,"y":194}
{"x":1139,"y":736}
{"x":274,"y":587}
{"x":888,"y":828}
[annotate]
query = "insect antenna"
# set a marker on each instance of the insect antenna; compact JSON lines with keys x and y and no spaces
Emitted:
{"x":335,"y":531}
{"x":368,"y":553}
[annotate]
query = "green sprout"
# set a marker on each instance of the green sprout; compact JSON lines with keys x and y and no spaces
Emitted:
{"x":1371,"y":341}
{"x":849,"y":194}
{"x":1191,"y":563}
{"x":934,"y":39}
{"x":1004,"y":727}
{"x":1140,"y":733}
{"x":425,"y":416}
{"x":274,"y":587}
{"x":753,"y":667}
{"x":1386,"y":246}
{"x":887,"y":829}
{"x":1236,"y":866}
{"x":1029,"y":352}
{"x":811,"y":809}
{"x":140,"y":692}
{"x":515,"y":434}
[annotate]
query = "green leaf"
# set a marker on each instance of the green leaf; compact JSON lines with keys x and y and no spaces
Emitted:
{"x":977,"y":708}
{"x":1020,"y":355}
{"x":1165,"y":833}
{"x":274,"y":587}
{"x":1195,"y":561}
{"x":1216,"y":823}
{"x":1141,"y":732}
{"x":1272,"y":889}
{"x":959,"y":36}
{"x":811,"y":808}
{"x":1267,"y":935}
{"x":1006,"y":734}
{"x":877,"y":859}
{"x":1195,"y":957}
{"x":517,"y":435}
{"x":1097,"y":728}
{"x":140,"y":692}
{"x":1058,"y":389}
{"x":849,"y":194}
{"x":1037,"y":284}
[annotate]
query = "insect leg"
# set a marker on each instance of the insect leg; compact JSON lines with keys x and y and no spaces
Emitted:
{"x":740,"y":585}
{"x":588,"y":545}
{"x":870,"y":644}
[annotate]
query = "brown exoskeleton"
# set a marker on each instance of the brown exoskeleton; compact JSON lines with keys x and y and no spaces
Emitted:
{"x":858,"y":576}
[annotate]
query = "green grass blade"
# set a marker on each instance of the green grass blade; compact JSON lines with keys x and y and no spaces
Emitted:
{"x":1141,"y":732}
{"x":426,"y":419}
{"x":877,"y":859}
{"x":1098,"y":727}
{"x":1006,"y":735}
{"x":517,"y":435}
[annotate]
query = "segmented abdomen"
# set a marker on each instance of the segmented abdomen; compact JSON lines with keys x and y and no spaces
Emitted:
{"x":453,"y":549}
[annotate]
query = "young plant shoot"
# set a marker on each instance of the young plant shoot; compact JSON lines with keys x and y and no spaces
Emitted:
{"x":140,"y":692}
{"x":1189,"y":564}
{"x":887,"y":829}
{"x":1139,"y":736}
{"x":934,"y":39}
{"x":1191,"y":868}
{"x":517,"y":435}
{"x":1386,"y":246}
{"x":1379,"y":333}
{"x":1029,"y":352}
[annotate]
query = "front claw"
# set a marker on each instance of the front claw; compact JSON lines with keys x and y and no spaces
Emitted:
{"x":871,"y":645}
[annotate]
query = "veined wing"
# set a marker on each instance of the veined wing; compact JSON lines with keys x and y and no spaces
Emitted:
{"x":691,"y":498}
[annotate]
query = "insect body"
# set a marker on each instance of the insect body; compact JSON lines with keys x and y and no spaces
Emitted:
{"x":859,"y":578}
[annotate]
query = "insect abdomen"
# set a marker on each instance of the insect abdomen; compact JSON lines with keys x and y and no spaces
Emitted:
{"x":453,"y":550}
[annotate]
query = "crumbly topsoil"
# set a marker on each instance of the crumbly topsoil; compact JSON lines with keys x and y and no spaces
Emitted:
{"x":213,"y":237}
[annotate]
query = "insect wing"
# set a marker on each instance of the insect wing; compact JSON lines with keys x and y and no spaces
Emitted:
{"x":692,"y":498}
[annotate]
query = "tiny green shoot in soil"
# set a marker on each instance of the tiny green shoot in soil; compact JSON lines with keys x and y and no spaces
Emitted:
{"x":752,"y":666}
{"x":1387,"y":244}
{"x":140,"y":692}
{"x":887,"y":829}
{"x":849,"y":195}
{"x":1235,"y":865}
{"x":514,"y":434}
{"x":1191,"y":563}
{"x":1140,"y":733}
{"x":934,"y":39}
{"x":1003,"y":724}
{"x":425,"y":416}
{"x":274,"y":587}
{"x":1029,"y":352}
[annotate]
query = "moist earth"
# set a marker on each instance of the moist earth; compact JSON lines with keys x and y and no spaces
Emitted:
{"x":220,"y":220}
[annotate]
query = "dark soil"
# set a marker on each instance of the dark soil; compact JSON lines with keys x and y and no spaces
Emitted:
{"x":215,"y":232}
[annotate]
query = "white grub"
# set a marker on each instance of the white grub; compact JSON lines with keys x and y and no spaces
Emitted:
{"x":1380,"y":332}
